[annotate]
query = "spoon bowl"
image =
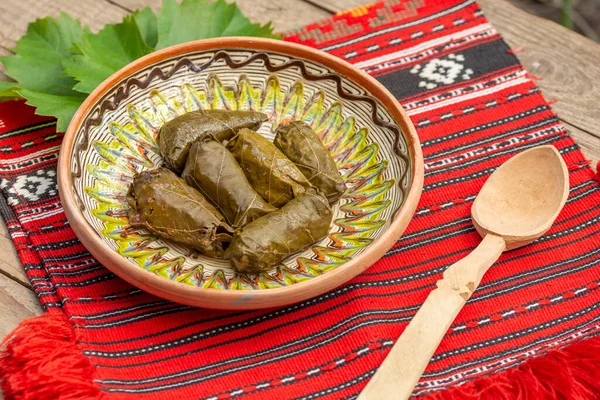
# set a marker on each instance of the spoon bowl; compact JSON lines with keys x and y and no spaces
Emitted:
{"x":521,"y":200}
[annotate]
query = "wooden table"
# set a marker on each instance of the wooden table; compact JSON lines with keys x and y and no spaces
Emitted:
{"x":568,"y":63}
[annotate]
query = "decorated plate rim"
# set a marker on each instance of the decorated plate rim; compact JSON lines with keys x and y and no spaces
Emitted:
{"x":260,"y":298}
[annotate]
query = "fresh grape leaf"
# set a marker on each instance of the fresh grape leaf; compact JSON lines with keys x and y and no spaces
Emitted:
{"x":61,"y":107}
{"x":37,"y":68}
{"x":8,"y":90}
{"x":105,"y":52}
{"x":146,"y":21}
{"x":199,"y":19}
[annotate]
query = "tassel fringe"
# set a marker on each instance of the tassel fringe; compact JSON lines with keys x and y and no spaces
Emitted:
{"x":40,"y":361}
{"x":572,"y":372}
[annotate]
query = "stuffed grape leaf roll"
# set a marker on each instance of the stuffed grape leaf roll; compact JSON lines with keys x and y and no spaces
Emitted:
{"x":176,"y":136}
{"x":270,"y":173}
{"x":266,"y":241}
{"x":164,"y":204}
{"x":301,"y":145}
{"x":213,"y":170}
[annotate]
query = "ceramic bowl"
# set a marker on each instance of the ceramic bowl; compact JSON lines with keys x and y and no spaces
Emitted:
{"x":113,"y":135}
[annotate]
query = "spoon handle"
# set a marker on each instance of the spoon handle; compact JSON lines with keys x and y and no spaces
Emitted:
{"x":403,"y":366}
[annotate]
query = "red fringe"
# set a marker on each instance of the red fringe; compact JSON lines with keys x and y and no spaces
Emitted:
{"x":570,"y":373}
{"x":40,"y":361}
{"x":597,"y":176}
{"x":534,"y":77}
{"x":516,"y":50}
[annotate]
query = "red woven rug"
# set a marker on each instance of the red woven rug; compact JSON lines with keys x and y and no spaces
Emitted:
{"x":474,"y":107}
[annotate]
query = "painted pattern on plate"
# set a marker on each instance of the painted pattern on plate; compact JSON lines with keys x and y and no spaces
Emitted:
{"x":359,"y":213}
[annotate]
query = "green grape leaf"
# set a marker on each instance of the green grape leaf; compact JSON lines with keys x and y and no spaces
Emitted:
{"x":146,"y":21}
{"x":199,"y":19}
{"x":37,"y":69}
{"x":8,"y":90}
{"x":104,"y":53}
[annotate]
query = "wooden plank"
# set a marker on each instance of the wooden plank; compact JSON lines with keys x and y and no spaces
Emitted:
{"x":285,"y":14}
{"x":590,"y":145}
{"x":335,"y":6}
{"x":137,"y":4}
{"x":17,"y":303}
{"x":568,"y":63}
{"x":15,"y":15}
{"x":10,"y":265}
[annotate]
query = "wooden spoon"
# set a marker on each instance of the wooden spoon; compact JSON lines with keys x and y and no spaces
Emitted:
{"x":518,"y":204}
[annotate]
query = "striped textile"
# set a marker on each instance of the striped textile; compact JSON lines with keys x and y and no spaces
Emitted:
{"x":474,"y":107}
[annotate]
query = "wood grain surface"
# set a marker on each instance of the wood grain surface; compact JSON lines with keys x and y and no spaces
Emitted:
{"x":17,"y":303}
{"x":568,"y":64}
{"x":10,"y":265}
{"x":16,"y":14}
{"x":284,"y":14}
